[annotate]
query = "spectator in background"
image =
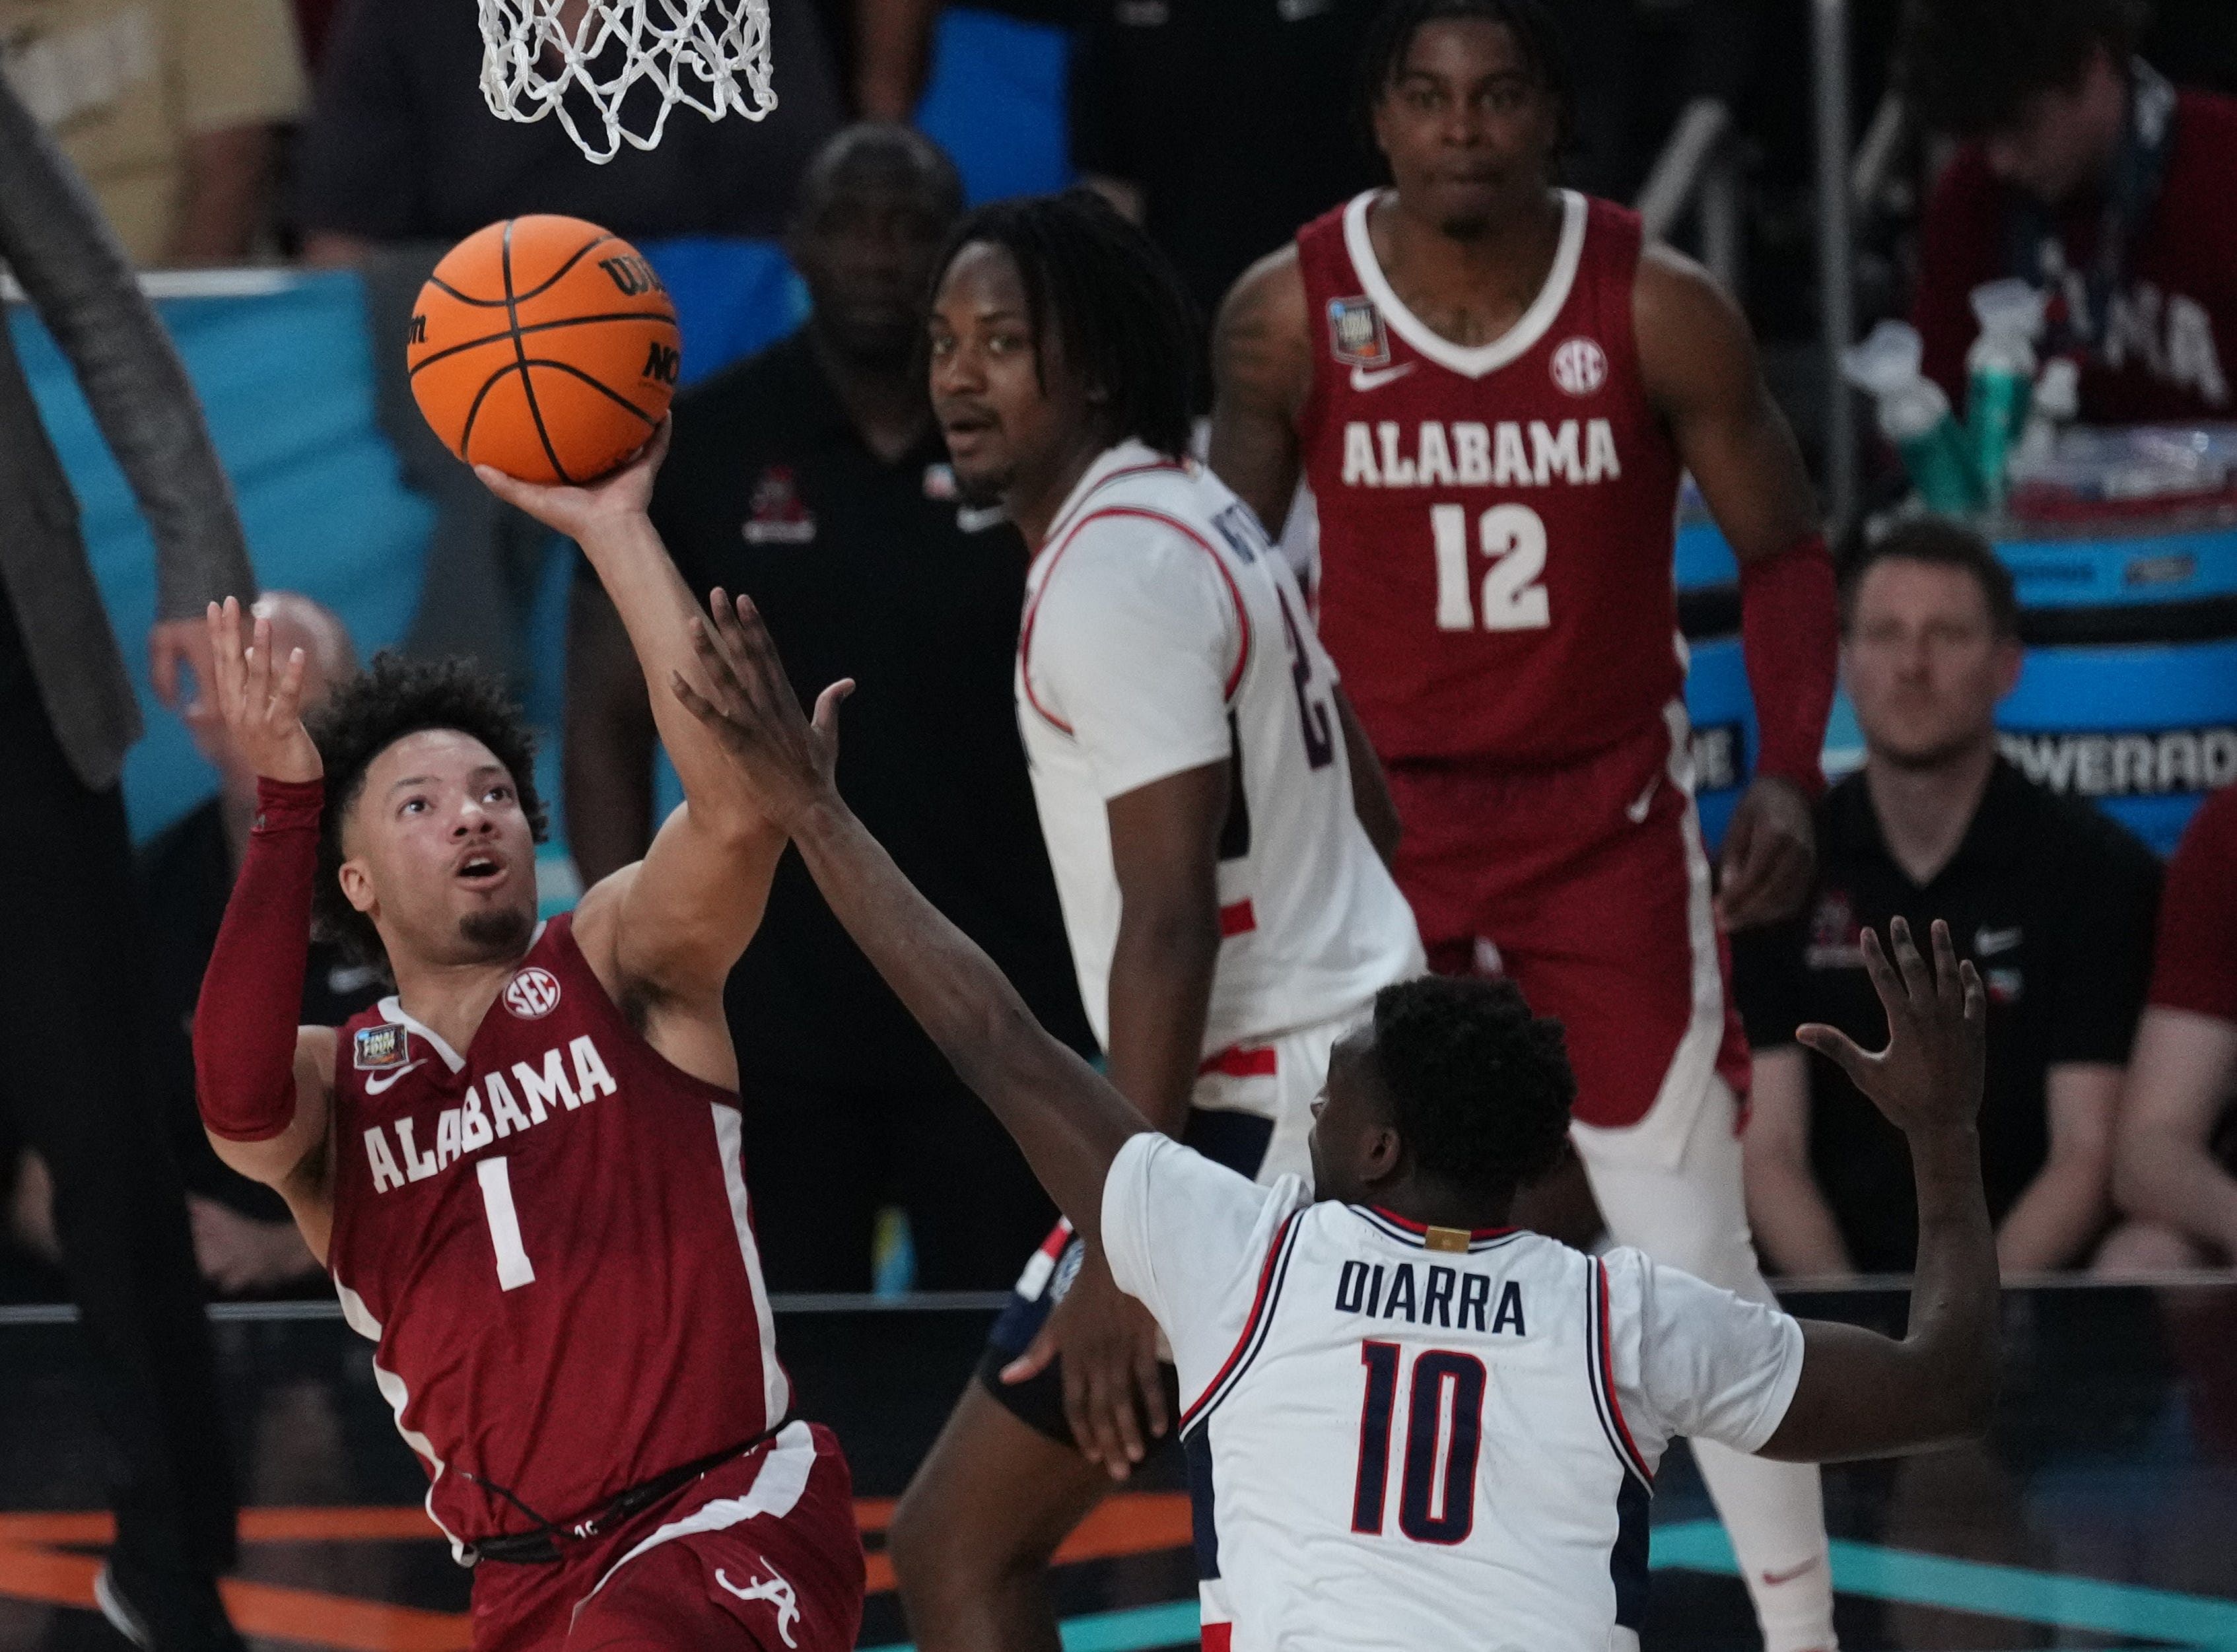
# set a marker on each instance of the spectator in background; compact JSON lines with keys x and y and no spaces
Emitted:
{"x":2052,"y":900}
{"x":2089,"y":175}
{"x":882,"y":51}
{"x":170,"y":108}
{"x":1220,"y":125}
{"x":73,"y":1074}
{"x":812,"y":479}
{"x":2174,"y":1154}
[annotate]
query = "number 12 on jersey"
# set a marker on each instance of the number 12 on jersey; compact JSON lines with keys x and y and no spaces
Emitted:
{"x":1514,"y":538}
{"x":1444,"y":1436}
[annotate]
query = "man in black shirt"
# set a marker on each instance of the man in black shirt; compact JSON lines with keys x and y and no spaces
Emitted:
{"x":812,"y":479}
{"x":2053,"y":902}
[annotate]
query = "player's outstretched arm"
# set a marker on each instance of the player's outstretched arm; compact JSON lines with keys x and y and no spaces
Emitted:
{"x":1862,"y":1394}
{"x":672,"y":925}
{"x":1068,"y":1120}
{"x":264,"y":1086}
{"x":1262,"y":369}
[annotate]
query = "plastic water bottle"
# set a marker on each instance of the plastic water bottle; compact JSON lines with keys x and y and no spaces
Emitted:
{"x":1999,"y":373}
{"x":1915,"y":416}
{"x":2055,"y":404}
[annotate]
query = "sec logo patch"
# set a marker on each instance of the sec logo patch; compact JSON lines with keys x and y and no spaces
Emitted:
{"x":532,"y":993}
{"x":1580,"y":367}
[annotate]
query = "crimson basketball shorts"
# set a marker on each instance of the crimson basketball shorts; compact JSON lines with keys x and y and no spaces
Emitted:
{"x":763,"y":1554}
{"x":1588,"y":886}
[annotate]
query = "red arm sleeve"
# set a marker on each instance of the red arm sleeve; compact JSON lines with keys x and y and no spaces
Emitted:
{"x":2196,"y":965}
{"x":1791,"y":639}
{"x":252,"y":989}
{"x":1959,"y":237}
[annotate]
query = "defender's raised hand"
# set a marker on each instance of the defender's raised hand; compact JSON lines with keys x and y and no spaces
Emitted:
{"x":262,"y":708}
{"x":1929,"y":1076}
{"x":787,"y":758}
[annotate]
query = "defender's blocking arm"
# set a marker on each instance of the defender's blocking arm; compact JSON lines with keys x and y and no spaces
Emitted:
{"x":1068,"y":1120}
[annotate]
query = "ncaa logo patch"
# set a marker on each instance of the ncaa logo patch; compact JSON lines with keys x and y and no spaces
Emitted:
{"x":1580,"y":367}
{"x":532,"y":993}
{"x":1356,"y":334}
{"x":376,"y":1049}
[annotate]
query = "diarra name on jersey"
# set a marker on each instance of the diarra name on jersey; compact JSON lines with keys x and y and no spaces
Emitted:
{"x":1464,"y":454}
{"x":544,"y":1089}
{"x":1453,"y":1298}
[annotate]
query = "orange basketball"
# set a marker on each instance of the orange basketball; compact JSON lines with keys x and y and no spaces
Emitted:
{"x":544,"y":346}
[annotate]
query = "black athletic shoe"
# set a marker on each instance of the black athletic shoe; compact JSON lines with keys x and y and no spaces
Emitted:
{"x":163,"y":1611}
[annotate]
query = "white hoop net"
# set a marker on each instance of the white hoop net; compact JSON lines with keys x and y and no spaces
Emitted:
{"x":584,"y":60}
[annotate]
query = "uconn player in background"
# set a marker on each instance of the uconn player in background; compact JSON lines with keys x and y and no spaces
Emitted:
{"x":1410,"y":1425}
{"x":523,"y":1169}
{"x":1201,"y":786}
{"x":1492,"y":388}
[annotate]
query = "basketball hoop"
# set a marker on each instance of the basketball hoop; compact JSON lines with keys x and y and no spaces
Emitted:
{"x":580,"y":59}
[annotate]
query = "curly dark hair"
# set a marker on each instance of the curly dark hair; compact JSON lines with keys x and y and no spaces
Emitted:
{"x":1537,"y":37}
{"x":1127,"y":325}
{"x":1967,"y":66}
{"x":1479,"y":1087}
{"x":390,"y":698}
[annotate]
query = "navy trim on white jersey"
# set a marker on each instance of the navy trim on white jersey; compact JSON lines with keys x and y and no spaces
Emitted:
{"x":1254,"y":1329}
{"x":1600,"y":1363}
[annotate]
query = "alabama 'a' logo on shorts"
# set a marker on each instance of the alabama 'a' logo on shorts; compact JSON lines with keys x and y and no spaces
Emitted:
{"x":532,"y":993}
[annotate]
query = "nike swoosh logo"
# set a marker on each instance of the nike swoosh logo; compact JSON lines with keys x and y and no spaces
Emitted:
{"x":1362,"y":379}
{"x":1989,"y":940}
{"x":1638,"y":807}
{"x":375,"y":1083}
{"x":1775,"y":1578}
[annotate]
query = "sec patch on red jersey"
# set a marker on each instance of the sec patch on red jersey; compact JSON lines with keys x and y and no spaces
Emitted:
{"x":1357,"y":337}
{"x":376,"y":1049}
{"x":532,"y":993}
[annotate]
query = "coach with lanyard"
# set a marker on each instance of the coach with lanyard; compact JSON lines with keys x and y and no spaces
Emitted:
{"x":72,"y":1077}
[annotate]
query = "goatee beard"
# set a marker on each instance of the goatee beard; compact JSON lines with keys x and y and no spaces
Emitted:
{"x":498,"y":934}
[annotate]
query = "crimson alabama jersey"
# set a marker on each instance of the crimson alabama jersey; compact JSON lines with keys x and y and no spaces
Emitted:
{"x":1495,"y":521}
{"x":547,"y":1235}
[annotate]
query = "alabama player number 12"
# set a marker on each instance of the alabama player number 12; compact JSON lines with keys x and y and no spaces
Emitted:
{"x":1514,"y":536}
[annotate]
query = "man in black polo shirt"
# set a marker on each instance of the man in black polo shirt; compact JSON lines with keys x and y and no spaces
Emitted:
{"x":2052,"y":901}
{"x":812,"y":478}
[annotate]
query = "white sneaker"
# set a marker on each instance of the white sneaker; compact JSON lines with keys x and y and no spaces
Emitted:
{"x":118,"y":1610}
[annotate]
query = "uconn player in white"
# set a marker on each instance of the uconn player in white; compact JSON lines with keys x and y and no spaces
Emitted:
{"x":1410,"y":1425}
{"x":1202,"y":788}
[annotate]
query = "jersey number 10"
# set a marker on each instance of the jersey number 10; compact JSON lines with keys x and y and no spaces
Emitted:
{"x":1436,"y":1488}
{"x":1514,"y":538}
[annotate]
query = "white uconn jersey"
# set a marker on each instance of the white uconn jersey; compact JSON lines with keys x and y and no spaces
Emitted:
{"x":1401,"y":1437}
{"x":1161,"y":633}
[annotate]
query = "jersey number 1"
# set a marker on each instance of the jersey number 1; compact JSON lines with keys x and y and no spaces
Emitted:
{"x":514,"y":1267}
{"x":1436,"y":1488}
{"x":1514,"y":538}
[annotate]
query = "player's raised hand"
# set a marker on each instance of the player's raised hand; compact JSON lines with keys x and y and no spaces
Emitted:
{"x":580,"y":511}
{"x":748,"y":703}
{"x":1929,"y":1076}
{"x":260,"y":700}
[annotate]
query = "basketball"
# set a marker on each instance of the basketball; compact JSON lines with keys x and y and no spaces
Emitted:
{"x":544,"y":346}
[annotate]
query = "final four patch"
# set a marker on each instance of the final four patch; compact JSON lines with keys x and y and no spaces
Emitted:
{"x":1356,"y":334}
{"x":378,"y":1048}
